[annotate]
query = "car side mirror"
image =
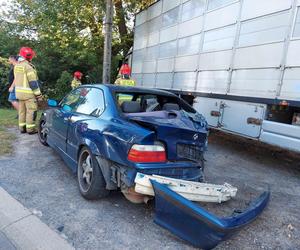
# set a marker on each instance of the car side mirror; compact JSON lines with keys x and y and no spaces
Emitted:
{"x":67,"y":108}
{"x":52,"y":103}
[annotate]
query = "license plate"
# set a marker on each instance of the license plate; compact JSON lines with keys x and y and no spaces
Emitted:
{"x":190,"y":152}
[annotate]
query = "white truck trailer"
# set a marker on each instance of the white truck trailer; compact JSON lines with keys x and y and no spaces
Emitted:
{"x":237,"y":61}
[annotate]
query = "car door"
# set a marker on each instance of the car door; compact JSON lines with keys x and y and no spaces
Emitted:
{"x":82,"y":122}
{"x":61,"y":117}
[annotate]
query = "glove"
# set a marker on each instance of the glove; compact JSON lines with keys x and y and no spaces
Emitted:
{"x":41,"y":102}
{"x":39,"y":98}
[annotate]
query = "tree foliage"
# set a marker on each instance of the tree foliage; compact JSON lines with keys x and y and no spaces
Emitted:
{"x":62,"y":85}
{"x":4,"y":69}
{"x":68,"y":36}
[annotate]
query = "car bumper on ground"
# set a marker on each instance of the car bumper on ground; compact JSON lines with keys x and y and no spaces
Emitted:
{"x":192,"y":223}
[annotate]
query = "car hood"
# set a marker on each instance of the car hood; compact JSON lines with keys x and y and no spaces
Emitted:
{"x":174,"y":129}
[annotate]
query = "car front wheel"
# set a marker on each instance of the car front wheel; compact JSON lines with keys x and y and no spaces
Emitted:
{"x":90,"y":178}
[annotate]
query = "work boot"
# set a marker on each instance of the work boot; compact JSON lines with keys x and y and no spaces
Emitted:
{"x":32,"y":132}
{"x":23,"y":130}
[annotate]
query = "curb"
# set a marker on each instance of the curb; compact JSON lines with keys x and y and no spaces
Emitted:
{"x":24,"y":230}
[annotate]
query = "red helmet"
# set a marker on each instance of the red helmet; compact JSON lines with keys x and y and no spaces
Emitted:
{"x":125,"y":69}
{"x":78,"y":74}
{"x":27,"y":53}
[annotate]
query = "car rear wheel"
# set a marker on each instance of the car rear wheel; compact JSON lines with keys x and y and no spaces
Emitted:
{"x":90,"y":178}
{"x":43,"y":132}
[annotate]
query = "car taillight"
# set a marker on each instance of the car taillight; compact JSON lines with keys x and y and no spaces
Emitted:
{"x":147,"y":153}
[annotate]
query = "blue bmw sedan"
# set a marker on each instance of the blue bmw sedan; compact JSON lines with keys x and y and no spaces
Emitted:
{"x":107,"y":134}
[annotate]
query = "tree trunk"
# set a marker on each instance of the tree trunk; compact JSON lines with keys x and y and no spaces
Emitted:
{"x":121,"y":23}
{"x":120,"y":18}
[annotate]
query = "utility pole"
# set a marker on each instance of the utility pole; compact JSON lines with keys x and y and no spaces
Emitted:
{"x":107,"y":42}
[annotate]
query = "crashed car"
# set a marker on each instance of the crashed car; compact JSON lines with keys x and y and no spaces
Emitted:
{"x":107,"y":134}
{"x":144,"y":142}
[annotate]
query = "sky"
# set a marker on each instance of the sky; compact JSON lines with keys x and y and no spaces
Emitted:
{"x":4,"y":6}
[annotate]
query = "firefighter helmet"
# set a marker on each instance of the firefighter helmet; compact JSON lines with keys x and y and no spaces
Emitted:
{"x":78,"y":74}
{"x":27,"y":53}
{"x":125,"y":69}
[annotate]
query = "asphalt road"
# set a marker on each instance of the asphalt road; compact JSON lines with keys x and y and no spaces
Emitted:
{"x":39,"y":179}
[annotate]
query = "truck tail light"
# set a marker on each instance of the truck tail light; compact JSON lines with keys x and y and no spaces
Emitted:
{"x":147,"y":153}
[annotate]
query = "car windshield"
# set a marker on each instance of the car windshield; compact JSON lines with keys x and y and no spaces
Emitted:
{"x":137,"y":102}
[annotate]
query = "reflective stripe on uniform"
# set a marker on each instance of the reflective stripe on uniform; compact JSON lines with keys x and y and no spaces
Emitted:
{"x":19,"y":69}
{"x":24,"y":90}
{"x":31,"y":73}
{"x":125,"y":97}
{"x":30,"y":125}
{"x":22,"y":124}
{"x":126,"y":82}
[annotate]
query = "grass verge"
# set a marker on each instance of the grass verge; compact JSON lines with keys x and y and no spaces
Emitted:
{"x":7,"y":120}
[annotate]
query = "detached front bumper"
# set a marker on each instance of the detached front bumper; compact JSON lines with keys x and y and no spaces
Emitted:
{"x":192,"y":223}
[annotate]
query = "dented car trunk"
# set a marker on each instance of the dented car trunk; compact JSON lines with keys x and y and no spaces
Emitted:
{"x":183,"y":134}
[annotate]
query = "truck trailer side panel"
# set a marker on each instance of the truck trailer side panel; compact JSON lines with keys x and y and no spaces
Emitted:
{"x":234,"y":48}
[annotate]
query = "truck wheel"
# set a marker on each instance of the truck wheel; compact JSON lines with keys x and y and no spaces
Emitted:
{"x":90,"y":178}
{"x":43,"y":132}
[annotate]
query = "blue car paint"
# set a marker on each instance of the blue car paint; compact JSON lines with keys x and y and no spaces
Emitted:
{"x":112,"y":134}
{"x":197,"y":226}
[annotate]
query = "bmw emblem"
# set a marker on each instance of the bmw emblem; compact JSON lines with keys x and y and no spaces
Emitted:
{"x":196,"y":136}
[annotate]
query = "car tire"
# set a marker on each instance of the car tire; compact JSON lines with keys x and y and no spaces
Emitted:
{"x":42,"y":132}
{"x":90,"y":178}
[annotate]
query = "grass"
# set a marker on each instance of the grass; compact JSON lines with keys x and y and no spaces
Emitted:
{"x":7,"y":120}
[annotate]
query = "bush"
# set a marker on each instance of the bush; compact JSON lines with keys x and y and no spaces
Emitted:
{"x":62,"y":86}
{"x":4,"y":70}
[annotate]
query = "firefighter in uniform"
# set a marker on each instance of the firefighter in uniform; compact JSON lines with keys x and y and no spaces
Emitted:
{"x":76,"y":82}
{"x":124,"y":80}
{"x":27,"y":90}
{"x":124,"y":76}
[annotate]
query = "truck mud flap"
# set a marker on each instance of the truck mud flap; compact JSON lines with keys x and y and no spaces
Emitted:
{"x":197,"y":226}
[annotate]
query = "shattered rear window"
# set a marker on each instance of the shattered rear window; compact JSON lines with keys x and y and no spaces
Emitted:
{"x":149,"y":102}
